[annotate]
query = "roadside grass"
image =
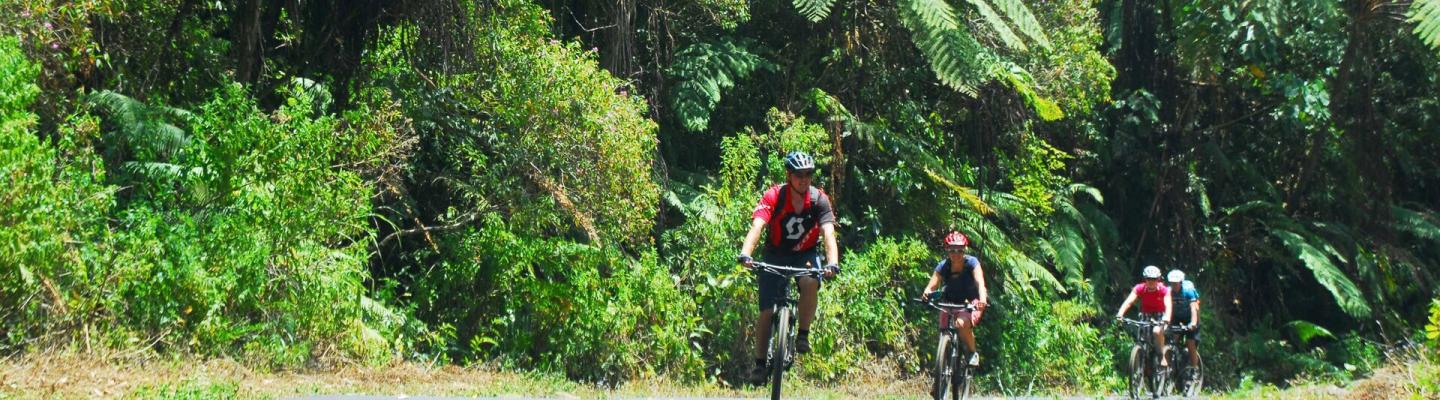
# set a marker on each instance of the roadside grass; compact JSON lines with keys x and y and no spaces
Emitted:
{"x":78,"y":376}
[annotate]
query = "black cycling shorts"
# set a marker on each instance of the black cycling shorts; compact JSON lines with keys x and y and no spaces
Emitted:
{"x":772,"y":287}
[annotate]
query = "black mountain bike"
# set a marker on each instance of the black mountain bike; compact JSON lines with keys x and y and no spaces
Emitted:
{"x":952,"y":367}
{"x":781,"y":354}
{"x":1188,"y":380}
{"x":1145,"y":374}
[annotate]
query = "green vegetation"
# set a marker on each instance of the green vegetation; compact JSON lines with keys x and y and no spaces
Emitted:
{"x":561,"y":189}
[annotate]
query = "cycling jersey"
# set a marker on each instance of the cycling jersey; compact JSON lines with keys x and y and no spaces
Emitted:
{"x":960,"y":286}
{"x":1180,"y":308}
{"x":1152,"y":301}
{"x":791,"y":230}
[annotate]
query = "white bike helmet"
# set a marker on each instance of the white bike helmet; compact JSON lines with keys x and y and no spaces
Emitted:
{"x":1175,"y":276}
{"x":1151,"y":272}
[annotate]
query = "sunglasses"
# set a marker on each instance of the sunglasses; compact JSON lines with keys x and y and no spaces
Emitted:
{"x":804,"y":175}
{"x":955,"y":250}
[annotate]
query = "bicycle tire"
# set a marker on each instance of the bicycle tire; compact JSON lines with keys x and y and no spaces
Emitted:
{"x":960,"y":389}
{"x":1137,"y":372}
{"x":778,"y":337}
{"x":1160,"y":378}
{"x":1195,"y":381}
{"x":941,"y":377}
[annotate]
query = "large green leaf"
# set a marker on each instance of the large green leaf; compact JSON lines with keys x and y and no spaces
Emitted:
{"x":959,"y":61}
{"x":1426,"y":16}
{"x":814,"y":10}
{"x":1346,"y":294}
{"x":704,"y":71}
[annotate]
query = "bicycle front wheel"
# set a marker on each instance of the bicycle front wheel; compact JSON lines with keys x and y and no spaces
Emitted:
{"x":779,"y":350}
{"x":963,"y":372}
{"x":942,"y":368}
{"x":1137,"y":372}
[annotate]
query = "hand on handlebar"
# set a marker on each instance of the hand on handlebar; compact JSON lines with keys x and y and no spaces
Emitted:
{"x":980,"y":304}
{"x":746,"y":261}
{"x":832,"y":270}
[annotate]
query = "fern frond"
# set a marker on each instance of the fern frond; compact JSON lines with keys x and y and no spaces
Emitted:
{"x":814,"y":10}
{"x":1024,"y":20}
{"x":957,"y":59}
{"x":1021,"y":81}
{"x":1000,"y":250}
{"x":1423,"y":225}
{"x":967,"y":194}
{"x":1345,"y":292}
{"x":1426,"y":16}
{"x":999,"y":25}
{"x":1075,"y":189}
{"x":704,"y":70}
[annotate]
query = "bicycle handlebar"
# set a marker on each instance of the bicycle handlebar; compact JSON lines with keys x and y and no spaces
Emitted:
{"x":785,"y":271}
{"x":946,"y":306}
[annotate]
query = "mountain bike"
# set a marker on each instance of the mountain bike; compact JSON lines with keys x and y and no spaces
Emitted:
{"x":1188,"y":379}
{"x":781,"y":354}
{"x":1145,"y":374}
{"x":951,"y":366}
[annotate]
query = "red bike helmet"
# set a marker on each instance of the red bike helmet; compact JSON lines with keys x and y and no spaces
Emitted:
{"x":955,"y":238}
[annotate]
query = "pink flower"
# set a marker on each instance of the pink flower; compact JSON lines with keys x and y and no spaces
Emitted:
{"x":55,"y":46}
{"x":48,"y":26}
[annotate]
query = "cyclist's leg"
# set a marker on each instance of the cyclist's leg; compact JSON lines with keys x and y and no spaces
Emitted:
{"x":965,"y":326}
{"x":1159,"y":332}
{"x":1192,"y":343}
{"x":809,"y":286}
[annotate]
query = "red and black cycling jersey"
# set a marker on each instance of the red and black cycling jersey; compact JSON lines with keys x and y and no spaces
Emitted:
{"x":792,"y":230}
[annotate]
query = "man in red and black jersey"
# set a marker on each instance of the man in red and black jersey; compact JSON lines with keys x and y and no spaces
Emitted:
{"x":798,"y":216}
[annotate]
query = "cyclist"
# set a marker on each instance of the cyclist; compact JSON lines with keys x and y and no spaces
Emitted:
{"x":1154,"y":304}
{"x":964,"y":281}
{"x":1186,"y":311}
{"x":798,"y":216}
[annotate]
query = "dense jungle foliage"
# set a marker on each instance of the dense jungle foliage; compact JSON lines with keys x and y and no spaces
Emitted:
{"x":563,"y":185}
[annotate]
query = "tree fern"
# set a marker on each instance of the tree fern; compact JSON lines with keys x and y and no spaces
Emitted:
{"x":1426,"y":16}
{"x":146,"y":130}
{"x":959,"y":61}
{"x":704,"y":71}
{"x":1423,"y":225}
{"x":998,"y":24}
{"x":814,"y":10}
{"x":1319,"y":262}
{"x":1024,"y":20}
{"x":1001,"y":251}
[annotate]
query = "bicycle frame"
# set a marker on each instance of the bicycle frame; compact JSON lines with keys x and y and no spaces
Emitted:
{"x":1152,"y":379}
{"x":949,"y":369}
{"x":781,"y":353}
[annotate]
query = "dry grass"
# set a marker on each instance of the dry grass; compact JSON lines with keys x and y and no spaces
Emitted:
{"x":90,"y":376}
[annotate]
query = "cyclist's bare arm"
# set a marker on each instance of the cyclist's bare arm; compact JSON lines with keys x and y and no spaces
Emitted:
{"x":1195,"y":313}
{"x":756,"y":227}
{"x":934,"y":282}
{"x":1167,"y":307}
{"x":1126,"y":305}
{"x":980,"y":284}
{"x":832,"y":248}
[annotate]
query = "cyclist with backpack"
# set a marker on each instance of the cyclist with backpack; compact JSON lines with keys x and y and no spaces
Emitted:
{"x":1186,"y":311}
{"x":964,"y":281}
{"x":797,"y":216}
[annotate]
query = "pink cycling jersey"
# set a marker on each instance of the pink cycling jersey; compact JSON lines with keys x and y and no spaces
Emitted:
{"x":1151,"y":301}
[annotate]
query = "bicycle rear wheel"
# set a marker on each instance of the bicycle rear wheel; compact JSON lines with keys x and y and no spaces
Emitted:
{"x":942,"y":368}
{"x":1195,"y":377}
{"x":779,"y":351}
{"x":1137,"y":372}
